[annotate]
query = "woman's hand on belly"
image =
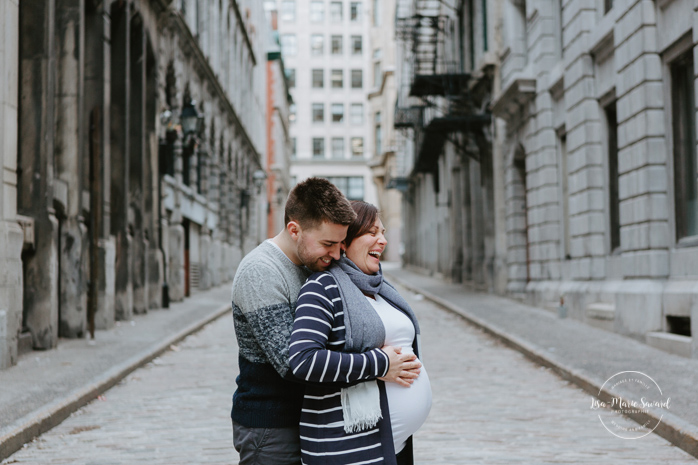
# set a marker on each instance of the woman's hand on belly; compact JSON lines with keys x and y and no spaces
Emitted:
{"x":403,"y":369}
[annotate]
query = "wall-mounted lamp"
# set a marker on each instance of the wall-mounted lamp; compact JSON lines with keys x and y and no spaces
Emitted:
{"x":191,"y":119}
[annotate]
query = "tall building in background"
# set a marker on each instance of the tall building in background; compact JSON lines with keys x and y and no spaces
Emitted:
{"x":325,"y":49}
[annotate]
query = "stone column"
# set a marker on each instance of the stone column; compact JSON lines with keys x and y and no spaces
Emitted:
{"x":645,"y":204}
{"x":36,"y":146}
{"x":152,"y":213}
{"x":119,"y":151}
{"x":175,"y":238}
{"x":136,"y":164}
{"x":11,"y":236}
{"x":96,"y":118}
{"x":69,"y":157}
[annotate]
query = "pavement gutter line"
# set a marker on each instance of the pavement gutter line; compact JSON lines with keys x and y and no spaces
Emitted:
{"x":22,"y":431}
{"x":674,"y":429}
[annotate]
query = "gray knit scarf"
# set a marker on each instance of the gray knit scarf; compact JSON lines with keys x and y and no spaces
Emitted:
{"x":364,"y":328}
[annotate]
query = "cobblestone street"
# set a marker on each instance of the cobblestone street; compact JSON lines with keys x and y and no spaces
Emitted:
{"x":491,"y":406}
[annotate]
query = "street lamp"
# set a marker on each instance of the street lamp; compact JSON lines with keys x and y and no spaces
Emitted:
{"x":259,"y":177}
{"x":191,"y":119}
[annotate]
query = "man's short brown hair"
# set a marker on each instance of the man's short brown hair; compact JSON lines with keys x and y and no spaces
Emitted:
{"x":315,"y":201}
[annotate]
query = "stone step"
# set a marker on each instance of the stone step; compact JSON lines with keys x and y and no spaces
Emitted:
{"x":24,"y":344}
{"x":600,"y":315}
{"x":601,"y":311}
{"x":671,"y":343}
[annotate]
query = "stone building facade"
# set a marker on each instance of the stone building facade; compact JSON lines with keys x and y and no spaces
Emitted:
{"x":132,"y":133}
{"x":445,"y":82}
{"x":589,"y":205}
{"x":387,"y":168}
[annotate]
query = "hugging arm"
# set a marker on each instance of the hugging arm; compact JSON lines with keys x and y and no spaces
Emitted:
{"x":310,"y":356}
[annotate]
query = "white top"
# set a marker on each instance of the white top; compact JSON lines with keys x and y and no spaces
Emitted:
{"x":409,"y":406}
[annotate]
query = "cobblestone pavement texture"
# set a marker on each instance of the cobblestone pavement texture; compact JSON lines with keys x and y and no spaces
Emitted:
{"x":491,"y":406}
{"x":586,"y":353}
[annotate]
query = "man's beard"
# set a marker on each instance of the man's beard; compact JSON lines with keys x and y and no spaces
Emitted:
{"x":308,"y":261}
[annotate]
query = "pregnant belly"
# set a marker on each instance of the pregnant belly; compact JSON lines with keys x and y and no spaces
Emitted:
{"x":409,"y":407}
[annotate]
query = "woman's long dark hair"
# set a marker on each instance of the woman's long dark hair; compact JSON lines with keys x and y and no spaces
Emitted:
{"x":366,"y":215}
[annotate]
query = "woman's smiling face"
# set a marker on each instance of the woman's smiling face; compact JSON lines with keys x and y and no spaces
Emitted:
{"x":365,"y":251}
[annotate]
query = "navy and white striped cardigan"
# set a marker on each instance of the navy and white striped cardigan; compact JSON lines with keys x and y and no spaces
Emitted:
{"x":315,"y":356}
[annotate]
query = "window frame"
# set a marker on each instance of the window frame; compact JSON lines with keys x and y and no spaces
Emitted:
{"x":334,"y":37}
{"x":317,"y":108}
{"x":321,"y":153}
{"x":353,"y":115}
{"x":361,"y":143}
{"x":319,"y":15}
{"x":314,"y":73}
{"x":354,"y":50}
{"x":333,"y":74}
{"x":320,"y":51}
{"x":337,"y":154}
{"x":360,"y":73}
{"x":333,"y":18}
{"x":334,"y":106}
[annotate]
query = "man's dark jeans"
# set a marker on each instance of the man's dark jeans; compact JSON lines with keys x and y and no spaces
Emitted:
{"x":267,"y":446}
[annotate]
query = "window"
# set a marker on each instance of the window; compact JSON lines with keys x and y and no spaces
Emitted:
{"x":607,"y":5}
{"x":336,"y":12}
{"x":317,"y":12}
{"x":293,"y":147}
{"x":357,"y":46}
{"x":683,"y":123}
{"x":336,"y":45}
{"x":317,"y":44}
{"x":292,"y":113}
{"x":613,"y":199}
{"x":337,"y":78}
{"x":288,"y":10}
{"x":352,"y":186}
{"x":356,"y":188}
{"x":318,"y":112}
{"x":357,"y":146}
{"x":357,"y":113}
{"x":318,"y":79}
{"x":291,"y":77}
{"x":357,"y":78}
{"x":376,"y":13}
{"x":378,"y":135}
{"x":289,"y":46}
{"x":318,"y":147}
{"x":337,"y":112}
{"x":355,"y":12}
{"x":377,"y":74}
{"x":338,"y":147}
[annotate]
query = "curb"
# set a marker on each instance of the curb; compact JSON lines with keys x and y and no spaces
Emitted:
{"x":30,"y":426}
{"x":677,"y":431}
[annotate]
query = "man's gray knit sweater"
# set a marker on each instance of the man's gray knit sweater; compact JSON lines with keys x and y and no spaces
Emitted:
{"x":265,"y":290}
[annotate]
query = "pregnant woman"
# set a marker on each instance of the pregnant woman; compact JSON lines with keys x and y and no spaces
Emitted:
{"x":349,"y":324}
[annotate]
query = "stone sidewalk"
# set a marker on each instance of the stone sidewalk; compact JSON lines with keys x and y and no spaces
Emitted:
{"x":44,"y":388}
{"x":577,"y":352}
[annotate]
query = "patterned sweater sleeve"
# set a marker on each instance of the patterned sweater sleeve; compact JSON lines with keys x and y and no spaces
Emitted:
{"x":318,"y":327}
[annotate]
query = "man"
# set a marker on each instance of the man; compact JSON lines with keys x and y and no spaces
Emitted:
{"x":267,"y":402}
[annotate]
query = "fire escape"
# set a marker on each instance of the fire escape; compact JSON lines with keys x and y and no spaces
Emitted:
{"x":447,"y":109}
